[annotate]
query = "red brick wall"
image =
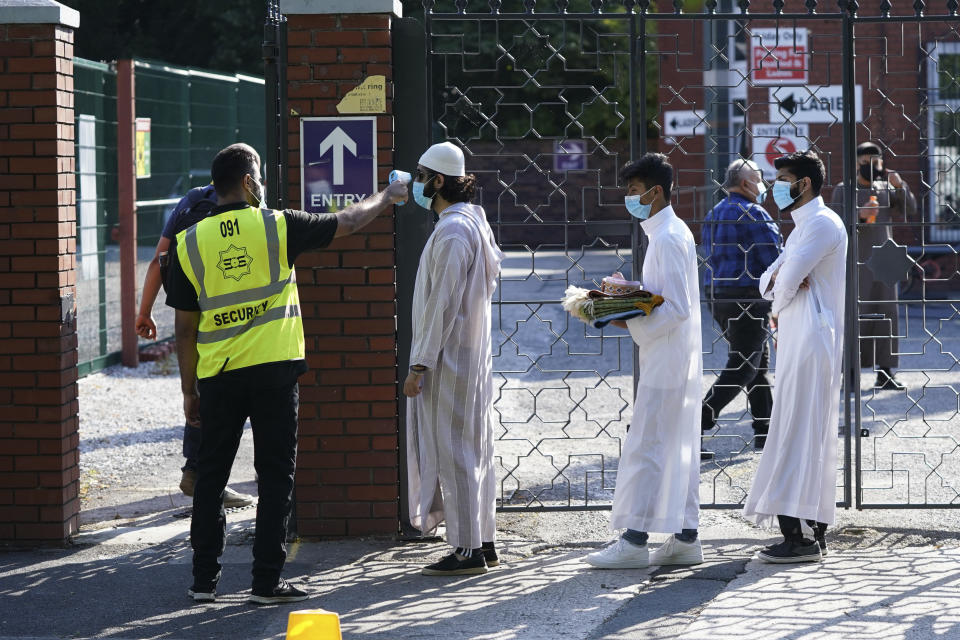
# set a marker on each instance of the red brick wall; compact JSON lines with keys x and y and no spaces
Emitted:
{"x":38,"y":351}
{"x":347,"y":467}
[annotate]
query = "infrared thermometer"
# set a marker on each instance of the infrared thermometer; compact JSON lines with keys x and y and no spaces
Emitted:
{"x":403,"y":177}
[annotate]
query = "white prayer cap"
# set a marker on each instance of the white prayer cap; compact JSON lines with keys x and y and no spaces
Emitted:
{"x":445,"y":158}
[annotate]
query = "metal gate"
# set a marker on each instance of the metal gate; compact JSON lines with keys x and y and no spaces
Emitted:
{"x":275,"y":79}
{"x":549,"y":100}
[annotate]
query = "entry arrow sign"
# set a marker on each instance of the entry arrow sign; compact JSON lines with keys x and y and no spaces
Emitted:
{"x":338,"y":140}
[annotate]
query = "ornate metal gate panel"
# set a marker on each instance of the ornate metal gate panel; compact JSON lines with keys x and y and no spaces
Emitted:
{"x":543,"y":107}
{"x":549,"y":100}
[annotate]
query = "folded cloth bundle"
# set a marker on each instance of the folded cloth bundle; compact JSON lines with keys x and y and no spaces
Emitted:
{"x":617,"y":299}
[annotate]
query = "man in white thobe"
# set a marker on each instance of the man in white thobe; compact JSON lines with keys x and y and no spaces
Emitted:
{"x":658,"y":478}
{"x":450,"y":386}
{"x":796,"y":477}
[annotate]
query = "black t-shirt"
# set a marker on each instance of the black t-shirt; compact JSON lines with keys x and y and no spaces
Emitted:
{"x":305,"y":231}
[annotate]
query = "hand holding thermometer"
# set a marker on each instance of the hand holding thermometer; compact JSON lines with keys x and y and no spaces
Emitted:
{"x":403,"y":177}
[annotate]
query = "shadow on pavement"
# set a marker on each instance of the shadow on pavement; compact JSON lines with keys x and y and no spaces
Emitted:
{"x":140,"y":594}
{"x":877,"y":593}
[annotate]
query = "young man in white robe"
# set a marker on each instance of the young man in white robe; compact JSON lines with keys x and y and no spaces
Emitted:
{"x":658,"y":478}
{"x":450,"y":385}
{"x":796,"y":477}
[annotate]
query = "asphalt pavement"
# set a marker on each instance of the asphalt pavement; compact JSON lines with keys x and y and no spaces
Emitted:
{"x":887,"y":576}
{"x":565,"y":396}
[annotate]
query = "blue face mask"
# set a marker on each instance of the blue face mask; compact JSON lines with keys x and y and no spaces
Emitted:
{"x":419,"y":198}
{"x":761,"y":192}
{"x":781,"y":194}
{"x":636,"y":208}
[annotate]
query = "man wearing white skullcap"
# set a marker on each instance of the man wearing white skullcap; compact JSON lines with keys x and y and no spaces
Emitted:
{"x":450,"y":385}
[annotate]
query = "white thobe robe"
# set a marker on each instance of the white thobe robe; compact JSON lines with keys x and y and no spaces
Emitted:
{"x":450,"y":425}
{"x":797,"y":474}
{"x":658,"y":479}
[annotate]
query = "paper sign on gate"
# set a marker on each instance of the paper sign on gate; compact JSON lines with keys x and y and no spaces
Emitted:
{"x":143,"y":147}
{"x":779,"y":56}
{"x":770,"y":141}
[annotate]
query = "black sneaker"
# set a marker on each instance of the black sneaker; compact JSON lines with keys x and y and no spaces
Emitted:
{"x":788,"y":552}
{"x":759,"y":441}
{"x":822,"y":543}
{"x":454,"y":565}
{"x":202,"y":594}
{"x":490,"y":554}
{"x":283,"y":592}
{"x":886,"y":382}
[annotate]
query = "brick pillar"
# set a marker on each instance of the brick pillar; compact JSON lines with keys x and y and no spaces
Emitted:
{"x":347,"y":467}
{"x":39,"y":475}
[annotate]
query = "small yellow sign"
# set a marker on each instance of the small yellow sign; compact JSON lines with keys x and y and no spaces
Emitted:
{"x":369,"y":97}
{"x":143,"y":147}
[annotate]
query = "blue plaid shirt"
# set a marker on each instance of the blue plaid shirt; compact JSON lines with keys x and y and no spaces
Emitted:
{"x":740,"y":240}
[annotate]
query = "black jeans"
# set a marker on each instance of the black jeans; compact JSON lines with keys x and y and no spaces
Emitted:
{"x":792,"y":531}
{"x":191,"y":447}
{"x":226,"y":401}
{"x":744,"y":325}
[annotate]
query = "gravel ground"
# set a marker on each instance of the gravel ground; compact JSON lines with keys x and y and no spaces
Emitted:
{"x":89,"y":303}
{"x":131,"y":430}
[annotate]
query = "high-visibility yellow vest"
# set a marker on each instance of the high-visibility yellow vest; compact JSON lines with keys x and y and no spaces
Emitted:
{"x":249,"y":306}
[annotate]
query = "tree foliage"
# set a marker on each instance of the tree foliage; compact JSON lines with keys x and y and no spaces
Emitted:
{"x":225,"y":35}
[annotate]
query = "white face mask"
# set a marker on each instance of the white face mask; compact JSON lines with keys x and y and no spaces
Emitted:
{"x":761,"y":191}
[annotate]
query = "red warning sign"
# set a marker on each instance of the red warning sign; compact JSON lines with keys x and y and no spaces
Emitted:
{"x":779,"y":56}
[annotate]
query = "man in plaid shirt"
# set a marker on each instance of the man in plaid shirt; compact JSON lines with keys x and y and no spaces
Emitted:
{"x":740,"y":241}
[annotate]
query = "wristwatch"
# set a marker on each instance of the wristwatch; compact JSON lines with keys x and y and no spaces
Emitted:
{"x":418,"y":368}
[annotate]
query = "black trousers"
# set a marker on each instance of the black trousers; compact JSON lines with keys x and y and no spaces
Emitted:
{"x":191,"y":447}
{"x":744,"y":325}
{"x":791,"y":530}
{"x":226,"y":401}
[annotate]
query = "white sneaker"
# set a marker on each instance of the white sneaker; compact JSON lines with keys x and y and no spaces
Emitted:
{"x":233,"y":499}
{"x":674,"y":551}
{"x":620,"y":555}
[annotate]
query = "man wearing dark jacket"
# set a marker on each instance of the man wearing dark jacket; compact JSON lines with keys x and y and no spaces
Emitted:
{"x":895,"y":203}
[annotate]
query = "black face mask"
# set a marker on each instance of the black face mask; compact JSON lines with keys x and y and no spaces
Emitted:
{"x":257,"y":193}
{"x":869,"y":172}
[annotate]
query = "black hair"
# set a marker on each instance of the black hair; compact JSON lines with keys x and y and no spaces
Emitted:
{"x":803,"y":164}
{"x":458,"y":188}
{"x":652,"y":169}
{"x":868,"y":149}
{"x":231,"y":164}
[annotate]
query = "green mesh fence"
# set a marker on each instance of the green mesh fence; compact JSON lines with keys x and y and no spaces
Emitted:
{"x":98,"y":305}
{"x":193,"y":114}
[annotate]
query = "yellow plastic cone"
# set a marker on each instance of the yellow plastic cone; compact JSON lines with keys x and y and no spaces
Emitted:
{"x":313,"y":624}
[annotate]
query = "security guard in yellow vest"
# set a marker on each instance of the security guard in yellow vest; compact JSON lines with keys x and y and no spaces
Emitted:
{"x":240,"y":347}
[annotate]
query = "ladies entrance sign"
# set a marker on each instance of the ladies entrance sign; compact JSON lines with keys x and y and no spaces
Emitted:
{"x":338,"y":162}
